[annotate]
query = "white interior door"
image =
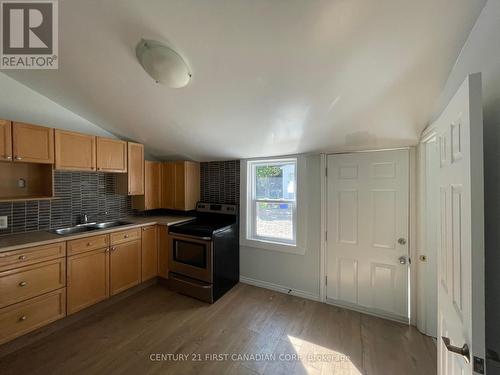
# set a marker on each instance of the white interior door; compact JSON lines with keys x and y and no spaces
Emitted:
{"x":367,"y":223}
{"x":461,"y":233}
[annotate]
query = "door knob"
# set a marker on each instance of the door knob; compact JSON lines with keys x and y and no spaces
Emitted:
{"x":463,"y":351}
{"x":402,"y":241}
{"x":402,"y":260}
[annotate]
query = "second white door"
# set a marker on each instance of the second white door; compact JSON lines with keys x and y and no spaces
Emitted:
{"x":367,"y":238}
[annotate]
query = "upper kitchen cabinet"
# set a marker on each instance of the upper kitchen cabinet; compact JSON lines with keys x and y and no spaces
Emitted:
{"x":133,"y":182}
{"x":187,"y":185}
{"x":5,"y":140}
{"x":75,"y":151}
{"x":167,"y":188}
{"x":180,"y":185}
{"x":152,"y":182}
{"x":32,"y":143}
{"x":111,"y":155}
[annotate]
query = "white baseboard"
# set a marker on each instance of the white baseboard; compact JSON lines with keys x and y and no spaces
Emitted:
{"x":279,"y":288}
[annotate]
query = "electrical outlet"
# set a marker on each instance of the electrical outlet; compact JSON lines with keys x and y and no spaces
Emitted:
{"x":4,"y":222}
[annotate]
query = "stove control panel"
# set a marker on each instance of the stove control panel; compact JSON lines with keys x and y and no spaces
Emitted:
{"x":229,"y":209}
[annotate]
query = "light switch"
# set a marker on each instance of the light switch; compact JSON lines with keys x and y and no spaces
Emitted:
{"x":4,"y":223}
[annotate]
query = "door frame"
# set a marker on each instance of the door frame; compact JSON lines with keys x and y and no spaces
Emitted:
{"x":412,"y":222}
{"x":428,"y":134}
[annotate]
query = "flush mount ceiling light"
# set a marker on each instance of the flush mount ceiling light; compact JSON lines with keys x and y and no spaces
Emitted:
{"x":162,"y":63}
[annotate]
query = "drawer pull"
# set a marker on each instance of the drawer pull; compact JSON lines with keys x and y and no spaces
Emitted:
{"x":23,"y":283}
{"x":126,"y":236}
{"x":89,"y":243}
{"x":22,"y":257}
{"x":23,"y":318}
{"x":113,"y":248}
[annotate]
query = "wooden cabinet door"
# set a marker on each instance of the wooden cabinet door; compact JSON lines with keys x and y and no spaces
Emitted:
{"x":163,"y":250}
{"x":187,"y":185}
{"x":168,"y":185}
{"x":192,"y":185}
{"x":32,"y":143}
{"x":111,"y":155}
{"x":75,"y":151}
{"x":125,"y":266}
{"x":152,"y":190}
{"x":5,"y":140}
{"x":135,"y":168}
{"x":87,"y":279}
{"x":149,"y":252}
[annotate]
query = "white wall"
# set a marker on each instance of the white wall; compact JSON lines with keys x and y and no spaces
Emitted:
{"x":20,"y":103}
{"x":291,"y":271}
{"x":481,"y":53}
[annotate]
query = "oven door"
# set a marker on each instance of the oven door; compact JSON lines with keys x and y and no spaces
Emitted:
{"x":191,"y":257}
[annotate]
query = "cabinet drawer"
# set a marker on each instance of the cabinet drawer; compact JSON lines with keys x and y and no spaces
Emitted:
{"x":30,"y":255}
{"x":21,"y":318}
{"x":86,"y":244}
{"x":125,"y":236}
{"x":23,"y":283}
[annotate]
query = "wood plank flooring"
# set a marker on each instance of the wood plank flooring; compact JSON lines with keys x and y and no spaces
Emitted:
{"x":159,"y":332}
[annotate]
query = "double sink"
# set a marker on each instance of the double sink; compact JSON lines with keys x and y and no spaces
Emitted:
{"x":89,"y":227}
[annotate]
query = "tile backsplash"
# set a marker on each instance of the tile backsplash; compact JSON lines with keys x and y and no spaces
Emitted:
{"x":220,"y":181}
{"x":77,"y":193}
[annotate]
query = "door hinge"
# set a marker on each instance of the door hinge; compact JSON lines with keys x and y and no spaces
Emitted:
{"x":326,"y":172}
{"x":326,"y":235}
{"x":326,"y":280}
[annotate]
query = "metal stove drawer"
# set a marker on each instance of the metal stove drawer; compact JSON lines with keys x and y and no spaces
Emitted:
{"x":191,"y":287}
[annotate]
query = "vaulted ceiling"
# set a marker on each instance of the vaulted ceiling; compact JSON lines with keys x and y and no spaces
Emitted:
{"x":270,"y":77}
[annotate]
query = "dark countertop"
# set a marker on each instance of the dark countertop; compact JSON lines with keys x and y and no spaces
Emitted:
{"x":28,"y":239}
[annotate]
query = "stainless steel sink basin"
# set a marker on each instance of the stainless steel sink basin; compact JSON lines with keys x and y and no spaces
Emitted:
{"x":72,"y":230}
{"x":109,"y":224}
{"x":89,"y":227}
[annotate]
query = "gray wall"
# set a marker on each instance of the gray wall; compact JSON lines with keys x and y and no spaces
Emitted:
{"x":299,"y":272}
{"x":20,"y":103}
{"x":481,"y":53}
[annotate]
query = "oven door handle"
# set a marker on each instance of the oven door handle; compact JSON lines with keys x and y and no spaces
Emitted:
{"x":181,"y":236}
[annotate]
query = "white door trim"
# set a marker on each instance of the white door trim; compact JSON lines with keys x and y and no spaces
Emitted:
{"x":428,"y":135}
{"x":411,"y":233}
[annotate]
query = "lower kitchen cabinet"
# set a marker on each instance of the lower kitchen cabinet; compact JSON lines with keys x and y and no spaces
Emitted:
{"x":24,"y":317}
{"x":125,"y":266}
{"x":87,"y":279}
{"x":149,"y":262}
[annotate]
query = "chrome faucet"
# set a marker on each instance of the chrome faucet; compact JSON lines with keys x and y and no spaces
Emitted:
{"x":84,"y":219}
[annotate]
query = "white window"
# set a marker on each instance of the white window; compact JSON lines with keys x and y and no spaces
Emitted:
{"x":269,"y":204}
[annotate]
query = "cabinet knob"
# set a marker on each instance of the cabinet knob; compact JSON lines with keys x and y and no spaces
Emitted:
{"x":23,"y":283}
{"x":113,"y":248}
{"x":107,"y":250}
{"x":22,"y":257}
{"x":18,"y":157}
{"x":126,"y":236}
{"x":23,"y":318}
{"x":89,"y":243}
{"x":8,"y":157}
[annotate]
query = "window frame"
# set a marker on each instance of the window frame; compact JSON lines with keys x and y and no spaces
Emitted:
{"x":248,"y":200}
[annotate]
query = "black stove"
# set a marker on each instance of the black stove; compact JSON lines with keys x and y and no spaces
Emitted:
{"x":205,"y":225}
{"x":204,"y":252}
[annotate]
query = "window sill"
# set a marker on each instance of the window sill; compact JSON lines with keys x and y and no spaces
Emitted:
{"x":273,"y":246}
